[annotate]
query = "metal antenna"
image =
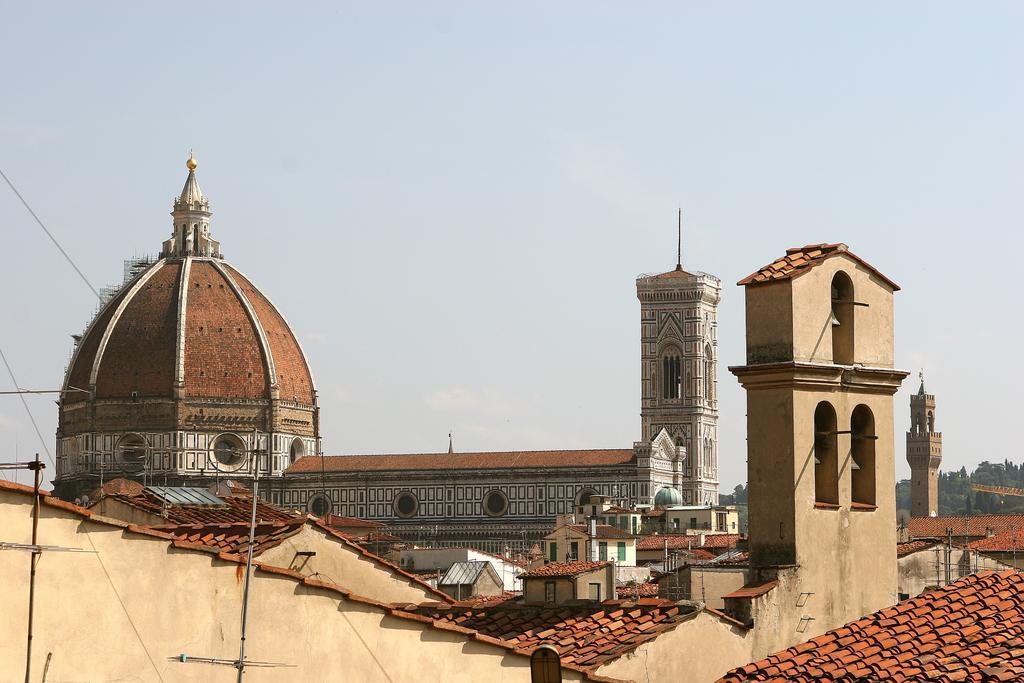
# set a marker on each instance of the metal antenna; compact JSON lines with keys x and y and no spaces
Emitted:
{"x":679,"y":241}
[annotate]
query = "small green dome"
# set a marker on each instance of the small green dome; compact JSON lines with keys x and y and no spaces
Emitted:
{"x":668,"y":497}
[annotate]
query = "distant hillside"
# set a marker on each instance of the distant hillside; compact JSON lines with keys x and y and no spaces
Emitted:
{"x":955,"y":495}
{"x":956,"y":498}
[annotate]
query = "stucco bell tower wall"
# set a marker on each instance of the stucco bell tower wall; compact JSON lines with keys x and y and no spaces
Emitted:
{"x":820,"y":441}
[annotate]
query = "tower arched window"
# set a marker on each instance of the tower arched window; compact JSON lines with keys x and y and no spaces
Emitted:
{"x":842,"y":319}
{"x":826,"y":455}
{"x":671,"y":374}
{"x":297,"y":450}
{"x":862,"y":456}
{"x":709,"y":374}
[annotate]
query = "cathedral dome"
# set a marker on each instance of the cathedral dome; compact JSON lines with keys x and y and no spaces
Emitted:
{"x":187,"y":371}
{"x":667,"y":497}
{"x":191,"y":327}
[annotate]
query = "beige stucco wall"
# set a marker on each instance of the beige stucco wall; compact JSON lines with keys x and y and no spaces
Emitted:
{"x":571,"y":588}
{"x":115,"y":509}
{"x":698,"y":650}
{"x":703,"y":584}
{"x":338,"y":563}
{"x":926,"y":568}
{"x":121,"y":614}
{"x":873,"y":324}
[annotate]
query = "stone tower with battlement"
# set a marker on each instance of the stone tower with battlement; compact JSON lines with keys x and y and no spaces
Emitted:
{"x":679,"y":372}
{"x":924,"y":453}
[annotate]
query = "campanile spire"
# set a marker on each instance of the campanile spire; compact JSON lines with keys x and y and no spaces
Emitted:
{"x":191,"y":231}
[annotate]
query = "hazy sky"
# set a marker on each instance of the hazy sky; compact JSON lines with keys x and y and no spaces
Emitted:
{"x":450,"y":202}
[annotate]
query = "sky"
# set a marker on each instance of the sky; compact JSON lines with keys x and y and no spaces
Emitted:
{"x":450,"y":202}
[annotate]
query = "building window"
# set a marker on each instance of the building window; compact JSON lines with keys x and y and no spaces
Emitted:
{"x":545,"y":664}
{"x":709,"y":374}
{"x":621,"y":546}
{"x":594,"y":591}
{"x":406,"y":504}
{"x":574,"y":551}
{"x":320,"y":505}
{"x":297,"y":450}
{"x":495,"y":503}
{"x":549,"y":591}
{"x":671,"y":374}
{"x":229,"y":450}
{"x":132,"y":449}
{"x":602,"y":550}
{"x":842,"y":322}
{"x":862,"y":453}
{"x":825,"y":454}
{"x":553,"y":552}
{"x":583,"y":497}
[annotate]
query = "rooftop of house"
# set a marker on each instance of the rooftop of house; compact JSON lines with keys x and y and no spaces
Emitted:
{"x":970,"y":526}
{"x":178,"y":509}
{"x":586,"y":635}
{"x":466,"y":573}
{"x":1007,"y":541}
{"x":910,"y":547}
{"x":635,"y":591}
{"x":564,"y":569}
{"x":969,"y":630}
{"x":462,"y":461}
{"x":684,"y":541}
{"x":340,"y":521}
{"x":799,"y":260}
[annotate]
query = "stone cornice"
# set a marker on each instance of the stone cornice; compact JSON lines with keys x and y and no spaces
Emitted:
{"x":796,"y":374}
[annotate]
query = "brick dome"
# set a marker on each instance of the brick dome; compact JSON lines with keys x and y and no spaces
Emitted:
{"x":186,"y":372}
{"x":191,"y":328}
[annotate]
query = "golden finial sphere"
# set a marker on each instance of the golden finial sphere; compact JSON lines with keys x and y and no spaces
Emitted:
{"x":191,"y":163}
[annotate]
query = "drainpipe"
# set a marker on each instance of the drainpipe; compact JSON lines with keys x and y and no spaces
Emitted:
{"x":593,"y":538}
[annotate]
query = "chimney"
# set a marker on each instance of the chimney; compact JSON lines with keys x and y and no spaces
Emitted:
{"x":592,"y":532}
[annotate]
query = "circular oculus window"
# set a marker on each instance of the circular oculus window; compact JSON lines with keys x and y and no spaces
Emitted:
{"x":406,"y":504}
{"x":320,"y":505}
{"x":495,"y":503}
{"x":229,"y":450}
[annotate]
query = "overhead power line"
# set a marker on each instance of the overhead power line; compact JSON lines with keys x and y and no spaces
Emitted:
{"x":50,"y":235}
{"x":24,"y":403}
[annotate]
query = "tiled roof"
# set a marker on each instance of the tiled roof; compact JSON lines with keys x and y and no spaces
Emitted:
{"x":396,"y":610}
{"x":752,"y":590}
{"x":351,"y":522}
{"x":909,"y":547}
{"x":574,"y":568}
{"x":970,"y":630}
{"x":235,"y":509}
{"x":586,"y":636}
{"x":975,"y":525}
{"x":489,"y":600}
{"x":648,"y":589}
{"x":221,"y":355}
{"x":465,"y":461}
{"x":1011,"y":540}
{"x":799,"y":260}
{"x":234,"y":538}
{"x":683,"y":541}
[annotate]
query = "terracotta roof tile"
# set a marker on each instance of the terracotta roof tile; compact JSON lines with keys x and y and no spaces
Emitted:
{"x":909,"y":547}
{"x":1009,"y":540}
{"x":574,"y":568}
{"x":799,"y":260}
{"x":752,"y":590}
{"x":647,"y":589}
{"x":586,"y":636}
{"x":971,"y":527}
{"x":235,"y":509}
{"x":483,"y":461}
{"x":972,"y":629}
{"x":603,"y":530}
{"x":684,"y":541}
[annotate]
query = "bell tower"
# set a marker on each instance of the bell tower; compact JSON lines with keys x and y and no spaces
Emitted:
{"x":924,"y":453}
{"x":819,"y":379}
{"x":679,"y":371}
